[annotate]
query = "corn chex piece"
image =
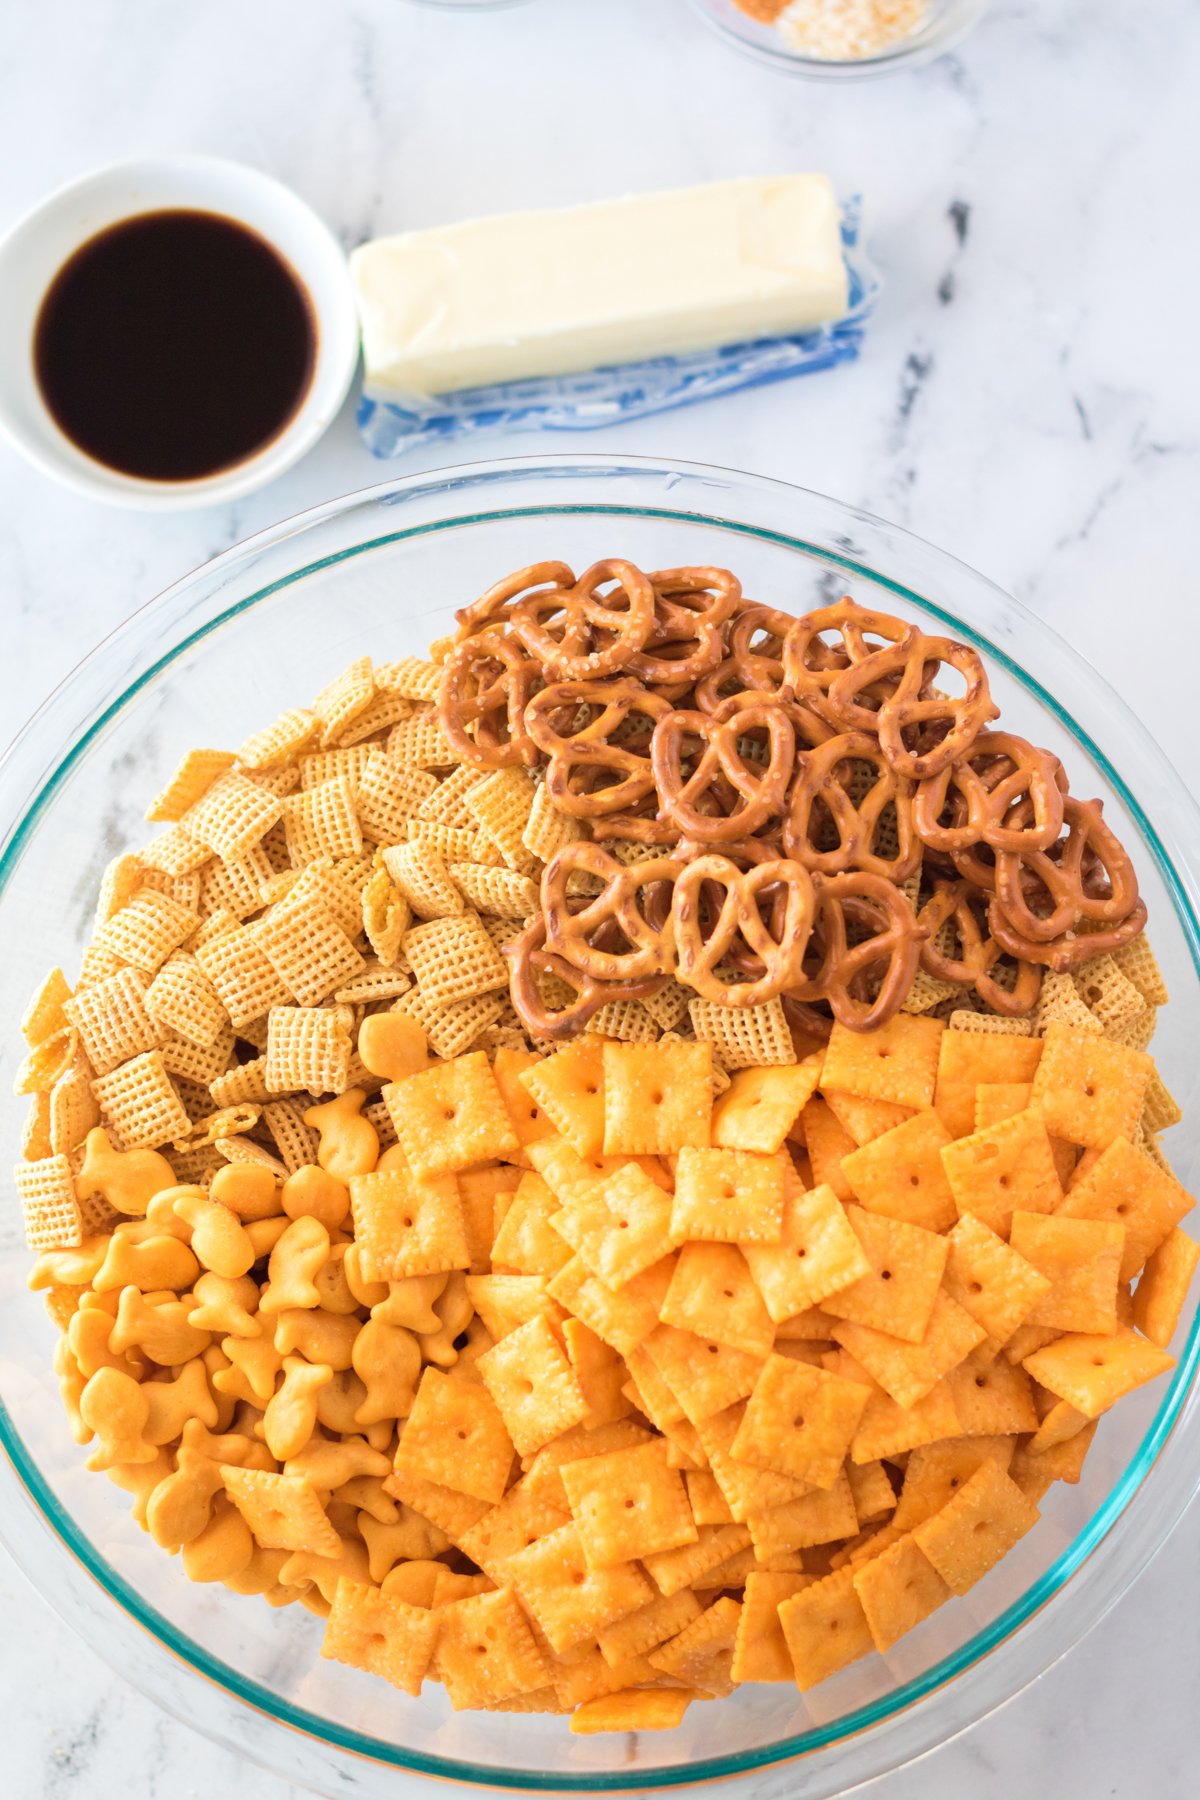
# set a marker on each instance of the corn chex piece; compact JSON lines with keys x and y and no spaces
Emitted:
{"x":51,"y":1213}
{"x":897,"y":1589}
{"x":486,"y":1652}
{"x":825,"y":1628}
{"x":1008,"y":1165}
{"x":988,"y":1278}
{"x":246,"y":983}
{"x":503,"y":893}
{"x":1137,"y":961}
{"x":182,"y":999}
{"x":712,"y":1293}
{"x":533,"y":1385}
{"x":343,"y":698}
{"x":192,"y":779}
{"x":546,"y":829}
{"x":800,"y":1421}
{"x":387,"y":795}
{"x":280,"y":741}
{"x":386,"y":916}
{"x":455,"y":1437}
{"x":380,"y":1633}
{"x":632,"y":1709}
{"x":760,"y":1106}
{"x":628,"y":1504}
{"x":1081,"y":1259}
{"x":44,"y":1014}
{"x":234,"y":815}
{"x":283,"y":1511}
{"x":501,"y":804}
{"x":412,"y":676}
{"x":1160,"y":1108}
{"x":422,"y":877}
{"x":405,"y":1226}
{"x":654,"y":1101}
{"x":1159,"y":1297}
{"x":451,"y":1026}
{"x":308,"y":949}
{"x":420,"y":742}
{"x":743,"y":1037}
{"x":900,"y":1174}
{"x":729,"y":1196}
{"x":896,"y":1063}
{"x":112,"y":1020}
{"x":146,"y":930}
{"x":906,"y":1271}
{"x":1089,"y":1090}
{"x":319,"y":766}
{"x":569,"y":1089}
{"x":967,"y":1059}
{"x":322,"y":821}
{"x":970,"y":1534}
{"x":1126,"y":1187}
{"x":1061,"y":1004}
{"x":451,"y":1116}
{"x":454,"y":958}
{"x":570,"y":1600}
{"x":308,"y":1049}
{"x":140,"y":1103}
{"x":818,"y":1254}
{"x":1092,"y":1372}
{"x":1107,"y":992}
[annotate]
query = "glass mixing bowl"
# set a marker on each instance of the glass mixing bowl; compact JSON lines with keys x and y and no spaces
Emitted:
{"x":946,"y":24}
{"x":263,"y":627}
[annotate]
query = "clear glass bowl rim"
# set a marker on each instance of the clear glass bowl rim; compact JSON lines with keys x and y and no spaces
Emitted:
{"x":931,"y":39}
{"x":1096,"y":1587}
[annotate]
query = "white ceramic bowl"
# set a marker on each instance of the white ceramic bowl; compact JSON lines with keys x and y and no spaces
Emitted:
{"x":35,"y":249}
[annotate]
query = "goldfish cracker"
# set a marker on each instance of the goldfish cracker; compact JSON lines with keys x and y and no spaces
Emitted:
{"x":225,"y":1304}
{"x":246,"y":1189}
{"x":312,"y":1192}
{"x":127,"y":1179}
{"x":411,"y":1303}
{"x":382,"y":1436}
{"x":264,"y":1234}
{"x":338,"y":1404}
{"x":392,"y":1158}
{"x":215,"y":1363}
{"x":223,"y":1550}
{"x":386,"y":1545}
{"x":156,"y":1263}
{"x":301,"y":1250}
{"x":413,"y":1582}
{"x":365,"y":1493}
{"x":157,"y":1325}
{"x":336,"y":1294}
{"x":254,"y":1365}
{"x":455,"y":1312}
{"x":71,"y":1383}
{"x":291,"y":1415}
{"x":140,"y":1480}
{"x":68,"y":1268}
{"x":392,"y":1045}
{"x":319,"y":1336}
{"x":349,"y":1144}
{"x":90,"y":1338}
{"x":237,"y":1448}
{"x":324,"y":1572}
{"x":161,"y":1218}
{"x":365,"y":1291}
{"x":219,"y":1239}
{"x":328,"y":1464}
{"x":180,"y":1507}
{"x":117,"y":1410}
{"x":171,"y":1403}
{"x":260,"y":1575}
{"x":387,"y":1360}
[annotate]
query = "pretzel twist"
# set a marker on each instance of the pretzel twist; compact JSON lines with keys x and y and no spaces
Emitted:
{"x":821,"y":782}
{"x":886,"y":958}
{"x":573,"y":723}
{"x":1002,"y":792}
{"x":811,"y":665}
{"x":706,"y":937}
{"x":580,"y":633}
{"x":956,"y":904}
{"x":530,"y":961}
{"x":946,"y":726}
{"x":1042,"y":896}
{"x":487,"y":684}
{"x":634,"y":905}
{"x":724,"y":796}
{"x":495,"y":607}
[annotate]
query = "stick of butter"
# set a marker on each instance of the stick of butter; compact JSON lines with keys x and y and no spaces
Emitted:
{"x":552,"y":293}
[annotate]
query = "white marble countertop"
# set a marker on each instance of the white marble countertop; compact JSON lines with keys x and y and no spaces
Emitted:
{"x":1028,"y":398}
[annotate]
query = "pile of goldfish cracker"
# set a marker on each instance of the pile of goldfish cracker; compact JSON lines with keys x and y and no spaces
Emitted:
{"x":594,"y":1381}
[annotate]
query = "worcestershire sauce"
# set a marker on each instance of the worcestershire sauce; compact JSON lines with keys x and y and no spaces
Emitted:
{"x":173,"y":345}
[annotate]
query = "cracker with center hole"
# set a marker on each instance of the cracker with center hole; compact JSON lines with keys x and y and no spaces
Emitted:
{"x":900,"y":1174}
{"x":628,"y":1504}
{"x":990,"y":1279}
{"x":709,"y":1505}
{"x":451,"y":1116}
{"x":906,"y":1264}
{"x":800,"y":1421}
{"x":533,"y":1385}
{"x":519,"y":1520}
{"x":1126,"y":1187}
{"x":897,"y":1590}
{"x":747,"y":1487}
{"x":1088,"y":1090}
{"x":453,"y":1514}
{"x":1005,"y":1167}
{"x":761,"y":1106}
{"x":630,"y":1228}
{"x":828,"y":1144}
{"x":526,"y":1241}
{"x":570,"y":1600}
{"x":283,"y":1511}
{"x":656,"y":1099}
{"x":743,"y":1037}
{"x":935,"y":1473}
{"x":661,"y":1618}
{"x":712,"y":1293}
{"x":569,"y":1087}
{"x":702,"y":1653}
{"x":455,"y":1436}
{"x":687,"y":1567}
{"x":909,"y":1371}
{"x":705,"y":1377}
{"x":623,"y":1319}
{"x":1081,"y":1259}
{"x":874,"y":1496}
{"x":863,"y":1119}
{"x":633,"y":1709}
{"x":818,"y":1254}
{"x":729,"y":1196}
{"x":967,"y":1059}
{"x":1092,"y":1372}
{"x":897,"y":1063}
{"x":407,"y":1226}
{"x":1159,"y":1297}
{"x":992,"y":1396}
{"x":486,"y":1652}
{"x":381,"y":1634}
{"x":996,"y":1100}
{"x":970,"y":1534}
{"x":825,"y":1628}
{"x":528,"y":1121}
{"x":760,"y":1651}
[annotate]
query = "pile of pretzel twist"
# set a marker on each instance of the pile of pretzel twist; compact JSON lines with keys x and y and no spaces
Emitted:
{"x":775,"y":806}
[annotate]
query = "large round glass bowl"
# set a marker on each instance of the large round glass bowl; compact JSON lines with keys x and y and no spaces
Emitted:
{"x":262,"y":628}
{"x":944,"y":26}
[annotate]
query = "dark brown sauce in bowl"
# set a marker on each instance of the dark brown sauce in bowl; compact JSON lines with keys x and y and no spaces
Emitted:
{"x":174,"y":345}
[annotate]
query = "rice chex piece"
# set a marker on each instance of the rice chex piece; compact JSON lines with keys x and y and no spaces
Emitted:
{"x":308,"y":1049}
{"x":183,"y":1000}
{"x":308,"y":949}
{"x":454,"y":959}
{"x":192,"y":779}
{"x":247,"y":983}
{"x":112,"y":1020}
{"x":234,"y":815}
{"x":47,"y":1191}
{"x":322,"y":821}
{"x":140,"y":1103}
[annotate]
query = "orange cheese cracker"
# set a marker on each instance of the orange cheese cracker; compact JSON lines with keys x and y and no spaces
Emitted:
{"x":729,"y":1196}
{"x":628,"y":1504}
{"x":1005,"y":1166}
{"x":906,"y":1271}
{"x":971,"y":1532}
{"x":380,"y":1633}
{"x":900,"y":1174}
{"x":800,"y":1421}
{"x":1088,"y":1089}
{"x":1094,"y":1371}
{"x":825,"y":1627}
{"x":897,"y":1062}
{"x":968,"y":1059}
{"x":657,"y":1098}
{"x":1126,"y":1187}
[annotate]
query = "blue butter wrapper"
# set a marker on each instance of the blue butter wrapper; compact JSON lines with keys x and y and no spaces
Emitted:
{"x":394,"y":423}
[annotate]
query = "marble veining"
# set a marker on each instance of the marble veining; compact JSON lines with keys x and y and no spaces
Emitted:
{"x":1027,"y":397}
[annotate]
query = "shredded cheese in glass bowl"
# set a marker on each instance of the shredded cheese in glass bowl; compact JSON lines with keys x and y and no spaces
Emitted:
{"x":841,"y":39}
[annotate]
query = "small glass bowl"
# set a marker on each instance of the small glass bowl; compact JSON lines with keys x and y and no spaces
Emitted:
{"x":263,"y":627}
{"x":947,"y":23}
